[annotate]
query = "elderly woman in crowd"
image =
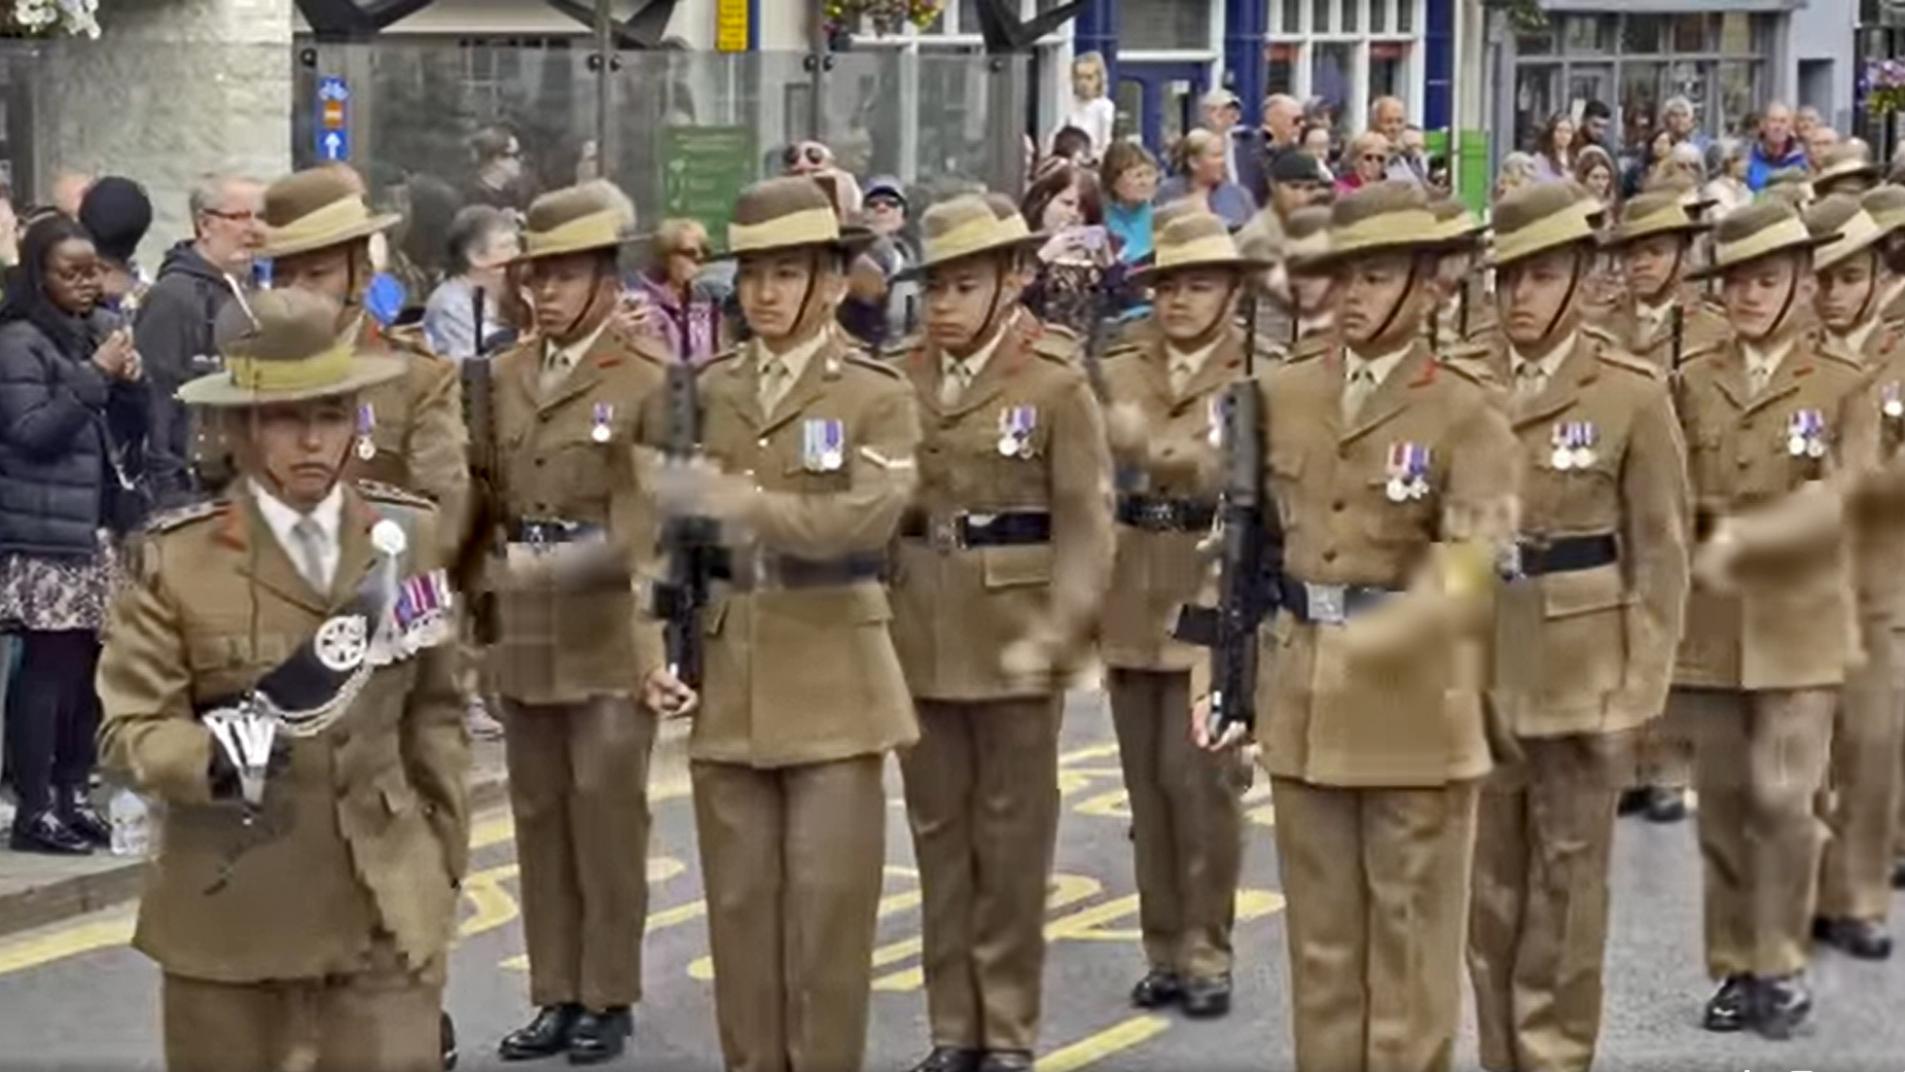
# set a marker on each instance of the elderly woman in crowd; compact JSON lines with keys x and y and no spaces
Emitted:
{"x":482,"y":242}
{"x":1727,"y":163}
{"x":1201,"y":174}
{"x":1366,"y":162}
{"x":687,"y":313}
{"x":1130,"y":179}
{"x":71,"y":408}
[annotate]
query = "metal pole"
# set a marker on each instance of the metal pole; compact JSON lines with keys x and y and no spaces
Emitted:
{"x":819,"y":59}
{"x":604,"y":70}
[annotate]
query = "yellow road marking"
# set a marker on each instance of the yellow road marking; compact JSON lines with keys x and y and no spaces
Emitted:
{"x":702,"y":969}
{"x":500,"y":826}
{"x":1113,"y":805}
{"x":69,"y":941}
{"x":1115,"y":1039}
{"x":1065,"y":891}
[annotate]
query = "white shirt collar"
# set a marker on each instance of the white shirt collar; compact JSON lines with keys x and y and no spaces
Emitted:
{"x":1380,"y":366}
{"x":1854,"y":341}
{"x":1758,"y":357}
{"x":282,"y":518}
{"x":568,"y":357}
{"x":1548,"y":364}
{"x":1196,"y":359}
{"x":1654,"y":314}
{"x":975,"y":362}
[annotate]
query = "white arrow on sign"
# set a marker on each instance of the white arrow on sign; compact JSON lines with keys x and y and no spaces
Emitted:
{"x":333,"y":89}
{"x":333,"y":146}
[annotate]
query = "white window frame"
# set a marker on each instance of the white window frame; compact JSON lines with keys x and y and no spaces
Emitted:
{"x":1304,"y":39}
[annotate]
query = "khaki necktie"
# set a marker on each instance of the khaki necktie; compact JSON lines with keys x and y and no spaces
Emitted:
{"x":1362,"y":384}
{"x":309,"y":538}
{"x":555,"y":369}
{"x":1757,"y":377}
{"x":1530,"y":379}
{"x":774,"y":375}
{"x":954,"y":378}
{"x":1181,"y":373}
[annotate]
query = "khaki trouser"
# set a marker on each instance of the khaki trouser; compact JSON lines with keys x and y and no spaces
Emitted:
{"x":1761,"y":758}
{"x":383,"y":1019}
{"x":1663,"y":755}
{"x":1538,"y":921}
{"x":1187,"y":824}
{"x":578,"y":785}
{"x":1377,"y":881}
{"x":1861,"y":808}
{"x":792,"y":859}
{"x":982,"y":799}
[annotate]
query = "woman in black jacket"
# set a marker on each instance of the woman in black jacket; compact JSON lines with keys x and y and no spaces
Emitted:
{"x":71,"y":407}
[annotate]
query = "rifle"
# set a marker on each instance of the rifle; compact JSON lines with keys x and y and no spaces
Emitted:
{"x":1251,"y":538}
{"x":1679,"y":329}
{"x":479,"y":415}
{"x":687,"y":542}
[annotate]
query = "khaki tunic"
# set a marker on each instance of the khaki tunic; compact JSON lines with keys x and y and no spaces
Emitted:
{"x":1327,"y":723}
{"x":955,"y":612}
{"x":365,"y":833}
{"x":566,"y":644}
{"x":422,"y":442}
{"x":1702,"y":327}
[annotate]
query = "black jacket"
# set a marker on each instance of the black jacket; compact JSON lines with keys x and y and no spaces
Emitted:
{"x":59,"y":416}
{"x":174,"y":337}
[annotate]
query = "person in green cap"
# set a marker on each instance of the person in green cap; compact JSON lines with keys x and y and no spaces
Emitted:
{"x":1390,"y":470}
{"x":1855,"y":894}
{"x":809,"y":463}
{"x":1585,"y":632}
{"x":1768,"y":419}
{"x":279,"y":673}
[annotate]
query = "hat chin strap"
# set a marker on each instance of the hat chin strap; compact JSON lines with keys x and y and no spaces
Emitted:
{"x":1395,"y":308}
{"x":991,"y":325}
{"x":1567,"y":300}
{"x":1871,"y":289}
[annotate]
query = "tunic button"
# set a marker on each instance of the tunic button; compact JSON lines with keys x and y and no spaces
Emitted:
{"x":762,"y":444}
{"x":1329,"y":555}
{"x":1338,"y":506}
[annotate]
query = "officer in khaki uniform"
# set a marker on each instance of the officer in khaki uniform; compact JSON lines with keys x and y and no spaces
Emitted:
{"x":1860,"y":808}
{"x":1186,"y":816}
{"x":1661,"y":318}
{"x":1001,"y":568}
{"x":1312,"y":292}
{"x":1584,"y":641}
{"x":410,"y":432}
{"x":1767,"y":638}
{"x":302,"y":923}
{"x":1385,"y":464}
{"x":803,"y":696}
{"x":569,"y":654}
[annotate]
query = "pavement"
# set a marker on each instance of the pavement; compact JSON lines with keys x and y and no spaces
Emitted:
{"x":73,"y":996}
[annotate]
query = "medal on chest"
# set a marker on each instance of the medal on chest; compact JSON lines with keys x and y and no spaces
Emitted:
{"x":823,"y":445}
{"x":1806,"y":434}
{"x":366,"y":425}
{"x":1016,"y":425}
{"x":1408,"y":469}
{"x":1574,"y":443}
{"x":1890,"y":401}
{"x":601,"y":421}
{"x":1214,"y":416}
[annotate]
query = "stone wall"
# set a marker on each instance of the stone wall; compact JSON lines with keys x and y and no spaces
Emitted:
{"x":173,"y":89}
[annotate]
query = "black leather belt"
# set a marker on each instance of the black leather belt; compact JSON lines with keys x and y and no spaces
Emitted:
{"x":1327,"y":604}
{"x":979,"y":530}
{"x":1568,"y":554}
{"x":786,"y":571}
{"x":551,"y":530}
{"x":1154,"y":514}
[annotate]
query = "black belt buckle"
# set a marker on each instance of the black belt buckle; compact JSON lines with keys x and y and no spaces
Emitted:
{"x":543,"y":532}
{"x":1153,"y":514}
{"x":1540,"y":555}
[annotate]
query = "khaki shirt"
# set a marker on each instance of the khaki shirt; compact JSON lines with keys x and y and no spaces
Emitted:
{"x":1791,"y":629}
{"x":803,"y":675}
{"x":1702,"y":327}
{"x":419,"y":434}
{"x":564,"y":643}
{"x":1331,"y":722}
{"x":1156,"y":573}
{"x":365,"y":833}
{"x":1591,"y":651}
{"x":1878,"y":516}
{"x":956,"y":610}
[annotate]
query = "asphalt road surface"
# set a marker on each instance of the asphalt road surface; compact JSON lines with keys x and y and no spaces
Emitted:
{"x":75,"y":997}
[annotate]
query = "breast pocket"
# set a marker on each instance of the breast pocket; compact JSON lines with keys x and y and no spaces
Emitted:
{"x":1286,"y":481}
{"x":1582,"y":497}
{"x":1389,"y":520}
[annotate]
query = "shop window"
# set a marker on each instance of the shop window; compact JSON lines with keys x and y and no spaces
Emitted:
{"x":1320,"y":17}
{"x":1388,"y":69}
{"x":1643,"y":33}
{"x":1405,"y":16}
{"x":1280,"y":73}
{"x":1588,"y":33}
{"x":1331,"y":73}
{"x":1162,"y":24}
{"x":1536,"y":98}
{"x":1379,"y":16}
{"x":1536,"y":42}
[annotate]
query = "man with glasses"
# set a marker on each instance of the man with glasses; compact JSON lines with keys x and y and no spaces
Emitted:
{"x":499,"y":171}
{"x":877,"y":308}
{"x":174,"y":330}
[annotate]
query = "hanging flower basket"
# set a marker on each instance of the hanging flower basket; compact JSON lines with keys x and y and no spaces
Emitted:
{"x":886,"y":16}
{"x":49,"y":18}
{"x":1884,"y":84}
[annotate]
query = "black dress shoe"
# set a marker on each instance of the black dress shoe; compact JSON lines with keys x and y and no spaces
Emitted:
{"x":1632,"y":801}
{"x":1863,"y":938}
{"x":544,"y":1036}
{"x":45,"y":833}
{"x":950,"y":1059}
{"x":1731,"y":1006}
{"x":1157,"y":989}
{"x":446,"y":1040}
{"x":79,"y":815}
{"x":1007,"y":1061}
{"x":1207,"y":999}
{"x":600,"y":1036}
{"x":1780,"y":1006}
{"x":1665,"y":805}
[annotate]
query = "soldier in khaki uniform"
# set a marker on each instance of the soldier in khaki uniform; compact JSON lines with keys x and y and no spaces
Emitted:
{"x":1463,"y":315}
{"x":1001,"y":569}
{"x":1766,"y":643}
{"x":410,"y":432}
{"x":302,"y":922}
{"x":1886,"y":206}
{"x":1846,"y":169}
{"x":803,"y":695}
{"x":569,"y":657}
{"x":1187,"y":819}
{"x":1312,"y":292}
{"x":1585,"y":636}
{"x":1386,"y":466}
{"x":1861,"y":809}
{"x":1661,"y":318}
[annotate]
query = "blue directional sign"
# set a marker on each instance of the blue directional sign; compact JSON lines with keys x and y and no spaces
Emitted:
{"x":333,"y":118}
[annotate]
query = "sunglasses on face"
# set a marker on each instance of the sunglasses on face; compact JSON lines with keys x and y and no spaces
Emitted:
{"x":1377,"y":157}
{"x":883,"y":204}
{"x":697,"y":254}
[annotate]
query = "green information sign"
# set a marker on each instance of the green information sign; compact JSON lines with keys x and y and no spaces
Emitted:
{"x":703,"y":170}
